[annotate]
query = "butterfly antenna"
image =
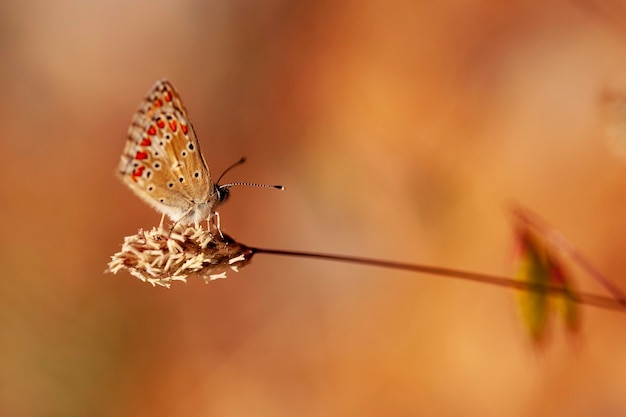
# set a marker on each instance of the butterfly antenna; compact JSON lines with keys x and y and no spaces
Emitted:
{"x":223,"y":190}
{"x":236,"y":164}
{"x":251,"y":184}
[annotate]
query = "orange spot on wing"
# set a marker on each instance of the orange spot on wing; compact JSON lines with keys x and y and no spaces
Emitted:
{"x":158,"y":102}
{"x":168,"y":96}
{"x":173,"y":125}
{"x":141,"y":155}
{"x":146,"y":142}
{"x":137,"y":173}
{"x":152,"y":130}
{"x":160,"y":123}
{"x":184,"y":128}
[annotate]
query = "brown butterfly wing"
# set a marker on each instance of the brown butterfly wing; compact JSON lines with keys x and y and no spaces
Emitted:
{"x":162,"y":162}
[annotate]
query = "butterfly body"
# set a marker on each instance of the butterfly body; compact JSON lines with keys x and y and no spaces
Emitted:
{"x":162,"y":162}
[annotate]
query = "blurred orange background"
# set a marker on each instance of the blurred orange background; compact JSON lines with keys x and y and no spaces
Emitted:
{"x":402,"y":130}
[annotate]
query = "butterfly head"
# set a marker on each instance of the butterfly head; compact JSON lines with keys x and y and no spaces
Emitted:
{"x":222,"y":192}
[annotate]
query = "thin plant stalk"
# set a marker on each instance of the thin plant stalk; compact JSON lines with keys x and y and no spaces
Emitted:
{"x":581,"y":298}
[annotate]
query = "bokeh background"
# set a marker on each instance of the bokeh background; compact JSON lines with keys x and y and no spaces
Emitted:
{"x":402,"y":130}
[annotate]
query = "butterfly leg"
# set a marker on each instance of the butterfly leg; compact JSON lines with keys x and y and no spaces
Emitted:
{"x":172,"y":228}
{"x":161,"y":223}
{"x":189,"y":210}
{"x":213,"y":223}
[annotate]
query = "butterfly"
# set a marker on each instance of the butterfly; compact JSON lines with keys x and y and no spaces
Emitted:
{"x":162,"y":162}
